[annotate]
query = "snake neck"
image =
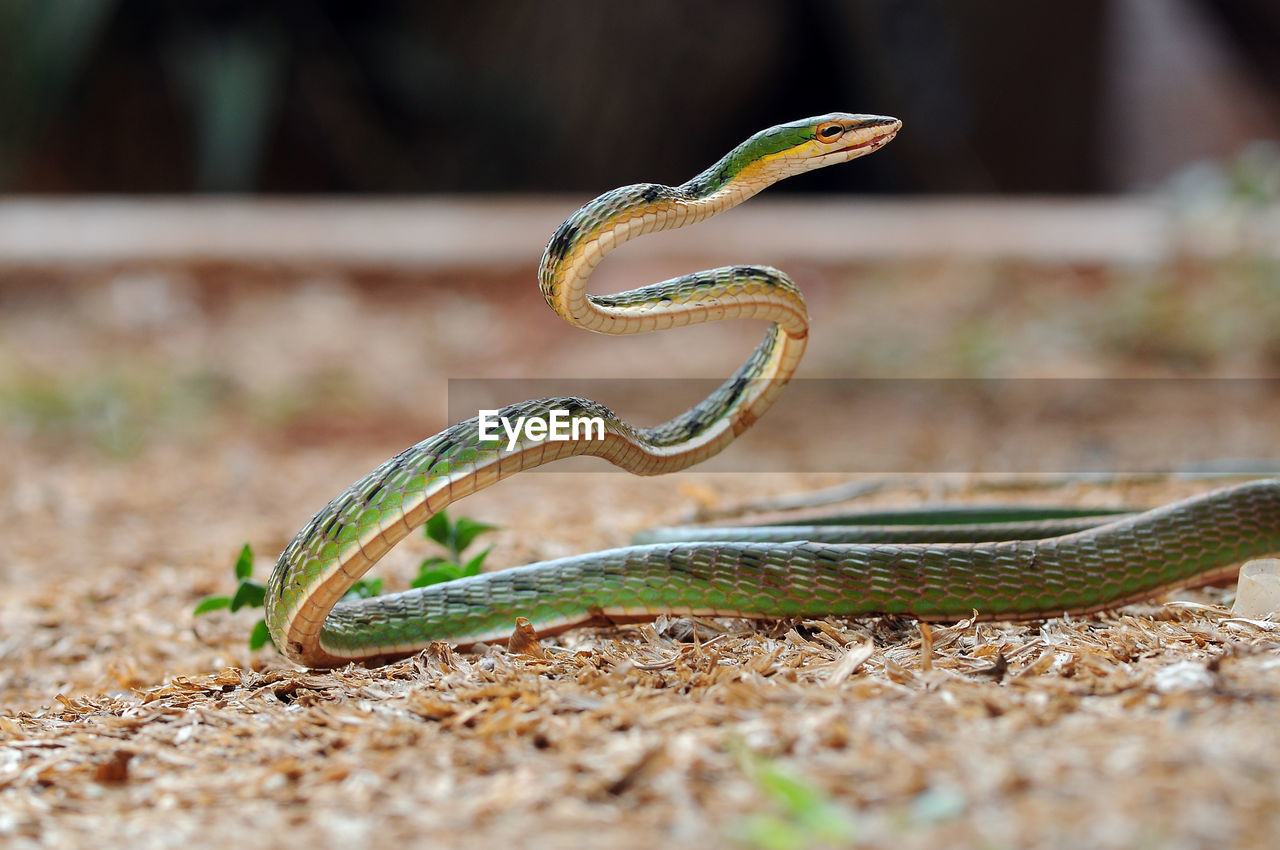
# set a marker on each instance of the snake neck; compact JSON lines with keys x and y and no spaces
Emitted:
{"x":618,"y":216}
{"x":731,"y":292}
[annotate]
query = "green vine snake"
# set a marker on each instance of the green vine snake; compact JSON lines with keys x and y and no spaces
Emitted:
{"x":1080,"y":566}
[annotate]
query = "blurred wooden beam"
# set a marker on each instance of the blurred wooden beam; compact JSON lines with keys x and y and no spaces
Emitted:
{"x":443,"y":232}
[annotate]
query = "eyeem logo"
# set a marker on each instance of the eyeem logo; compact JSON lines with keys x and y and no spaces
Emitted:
{"x":558,"y":424}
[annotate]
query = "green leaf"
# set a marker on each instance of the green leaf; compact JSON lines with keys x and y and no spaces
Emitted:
{"x":438,"y":528}
{"x":364,"y":589}
{"x":250,"y":594}
{"x":244,"y":563}
{"x":795,"y":796}
{"x":808,"y":816}
{"x":437,"y":575}
{"x":466,"y":530}
{"x":260,"y":636}
{"x":212,"y":603}
{"x":472,"y":567}
{"x":769,"y":832}
{"x":433,"y":561}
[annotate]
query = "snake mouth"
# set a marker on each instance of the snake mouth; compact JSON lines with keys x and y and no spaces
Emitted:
{"x":873,"y":142}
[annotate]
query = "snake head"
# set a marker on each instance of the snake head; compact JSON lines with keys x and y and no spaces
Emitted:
{"x":840,"y":137}
{"x":796,"y":147}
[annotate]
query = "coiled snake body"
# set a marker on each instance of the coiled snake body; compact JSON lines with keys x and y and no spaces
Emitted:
{"x":1119,"y":560}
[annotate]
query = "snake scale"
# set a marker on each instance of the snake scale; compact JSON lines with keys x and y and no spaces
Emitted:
{"x":1085,"y":565}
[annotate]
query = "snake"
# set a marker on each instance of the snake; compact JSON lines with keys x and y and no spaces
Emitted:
{"x":873,"y":565}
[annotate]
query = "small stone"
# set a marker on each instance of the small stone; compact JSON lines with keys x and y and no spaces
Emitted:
{"x":1258,"y":589}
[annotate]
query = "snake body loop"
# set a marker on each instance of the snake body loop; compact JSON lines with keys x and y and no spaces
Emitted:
{"x":1084,"y":567}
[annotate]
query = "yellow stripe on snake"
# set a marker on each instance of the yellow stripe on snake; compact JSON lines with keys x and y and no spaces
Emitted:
{"x":1086,"y":566}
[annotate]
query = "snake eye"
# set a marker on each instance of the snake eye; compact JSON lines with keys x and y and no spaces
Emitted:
{"x":829,"y":131}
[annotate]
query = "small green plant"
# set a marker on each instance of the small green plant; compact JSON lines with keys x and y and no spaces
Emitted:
{"x":251,"y":594}
{"x":806,"y":817}
{"x":456,"y":538}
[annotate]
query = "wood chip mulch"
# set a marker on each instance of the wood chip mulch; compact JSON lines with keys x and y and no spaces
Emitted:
{"x":126,"y":722}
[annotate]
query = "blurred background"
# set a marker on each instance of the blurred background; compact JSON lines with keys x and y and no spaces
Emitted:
{"x":250,"y":96}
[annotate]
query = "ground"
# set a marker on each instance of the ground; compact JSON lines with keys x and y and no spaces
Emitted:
{"x":155,"y":419}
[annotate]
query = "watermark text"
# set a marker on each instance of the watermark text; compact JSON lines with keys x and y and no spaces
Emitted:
{"x":557,"y":425}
